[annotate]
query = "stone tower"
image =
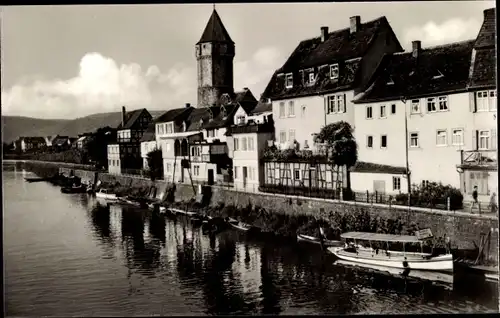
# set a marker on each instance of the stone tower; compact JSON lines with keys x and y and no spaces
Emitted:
{"x":214,"y":55}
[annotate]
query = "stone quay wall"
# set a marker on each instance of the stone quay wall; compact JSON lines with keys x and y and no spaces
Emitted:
{"x":463,"y":229}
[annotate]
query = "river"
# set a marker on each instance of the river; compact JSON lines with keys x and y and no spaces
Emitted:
{"x":64,"y":258}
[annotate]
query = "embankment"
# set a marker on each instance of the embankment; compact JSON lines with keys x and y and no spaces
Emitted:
{"x":463,"y":229}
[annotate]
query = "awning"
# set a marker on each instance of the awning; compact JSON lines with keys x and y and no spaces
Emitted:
{"x":380,"y":237}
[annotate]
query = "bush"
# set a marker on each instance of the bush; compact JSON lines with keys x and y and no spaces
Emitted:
{"x":433,"y":195}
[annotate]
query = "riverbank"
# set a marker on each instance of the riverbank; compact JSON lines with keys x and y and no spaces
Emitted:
{"x":285,"y":215}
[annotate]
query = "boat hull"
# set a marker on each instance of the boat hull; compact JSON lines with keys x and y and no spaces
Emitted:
{"x":108,"y":197}
{"x":315,"y":240}
{"x":442,"y":263}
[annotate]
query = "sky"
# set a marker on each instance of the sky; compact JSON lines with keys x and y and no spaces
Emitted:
{"x":73,"y":61}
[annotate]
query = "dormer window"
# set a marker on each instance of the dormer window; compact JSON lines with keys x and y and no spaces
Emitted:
{"x":438,"y":75}
{"x":334,"y":71}
{"x":311,"y":77}
{"x":289,"y":80}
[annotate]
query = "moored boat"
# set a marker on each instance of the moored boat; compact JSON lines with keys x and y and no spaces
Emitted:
{"x":241,"y":226}
{"x":390,"y":257}
{"x":316,"y":240}
{"x":105,"y":194}
{"x":74,"y":189}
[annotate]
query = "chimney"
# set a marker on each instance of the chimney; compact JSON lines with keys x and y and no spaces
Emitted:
{"x":416,"y":47}
{"x":324,"y":33}
{"x":188,"y":105}
{"x":124,"y":112}
{"x":355,"y":21}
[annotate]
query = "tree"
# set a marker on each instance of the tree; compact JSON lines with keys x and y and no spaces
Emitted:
{"x":155,"y":164}
{"x":97,"y":147}
{"x":341,"y":146}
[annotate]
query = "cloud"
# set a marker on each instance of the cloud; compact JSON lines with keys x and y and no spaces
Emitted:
{"x":451,"y":30}
{"x":102,"y":85}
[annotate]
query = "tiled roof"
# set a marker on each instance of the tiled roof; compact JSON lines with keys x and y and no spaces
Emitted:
{"x":369,"y":167}
{"x":276,"y":88}
{"x":34,"y":140}
{"x":149,"y":134}
{"x":131,"y":118}
{"x":194,"y":123}
{"x":484,"y":62}
{"x":487,"y":34}
{"x":340,"y":45}
{"x":174,"y":114}
{"x":215,"y":30}
{"x":262,"y":108}
{"x":415,"y":77}
{"x":220,"y":120}
{"x":59,"y":140}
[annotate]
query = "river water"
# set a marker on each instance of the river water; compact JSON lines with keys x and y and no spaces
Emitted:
{"x":62,"y":258}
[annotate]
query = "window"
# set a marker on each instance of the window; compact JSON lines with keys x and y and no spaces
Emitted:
{"x":382,"y":112}
{"x":289,"y":80}
{"x":170,"y":128}
{"x":425,"y":183}
{"x":291,"y":109}
{"x":369,"y":112}
{"x":244,"y":144}
{"x":383,"y":141}
{"x":443,"y":103}
{"x":236,"y":143}
{"x":441,"y":138}
{"x":484,"y":139}
{"x":334,"y":71}
{"x":396,"y":183}
{"x":241,"y":119}
{"x":306,"y":145}
{"x":492,"y":100}
{"x":311,"y":78}
{"x":291,"y":135}
{"x":282,"y":136}
{"x":282,"y":110}
{"x":431,"y":104}
{"x":236,"y":172}
{"x":336,"y":104}
{"x":250,"y":144}
{"x":369,"y":141}
{"x":254,"y":175}
{"x":303,"y":110}
{"x":296,"y":174}
{"x":414,"y":140}
{"x":457,"y":137}
{"x":393,"y":109}
{"x":415,"y":106}
{"x":210,"y":133}
{"x":486,"y":100}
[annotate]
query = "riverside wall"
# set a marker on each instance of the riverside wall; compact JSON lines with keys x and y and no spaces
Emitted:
{"x":463,"y":229}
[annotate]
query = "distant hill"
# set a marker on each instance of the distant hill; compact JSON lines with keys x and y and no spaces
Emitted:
{"x":15,"y":126}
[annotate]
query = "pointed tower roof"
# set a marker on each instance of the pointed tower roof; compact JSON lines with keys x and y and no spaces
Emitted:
{"x":215,"y":30}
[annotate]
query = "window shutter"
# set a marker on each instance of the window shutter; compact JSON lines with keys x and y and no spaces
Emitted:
{"x":345,"y":103}
{"x":472,"y":102}
{"x":475,"y":139}
{"x":493,"y":142}
{"x":327,"y":103}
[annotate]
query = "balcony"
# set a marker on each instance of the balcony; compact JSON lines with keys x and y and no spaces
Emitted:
{"x":471,"y":159}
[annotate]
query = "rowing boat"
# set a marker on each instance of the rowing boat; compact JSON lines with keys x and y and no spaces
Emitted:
{"x":316,"y":240}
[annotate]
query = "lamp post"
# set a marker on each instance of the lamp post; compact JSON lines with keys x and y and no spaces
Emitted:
{"x":408,"y":173}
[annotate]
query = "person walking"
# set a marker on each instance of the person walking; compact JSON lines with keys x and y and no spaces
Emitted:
{"x":475,"y":201}
{"x":493,"y":203}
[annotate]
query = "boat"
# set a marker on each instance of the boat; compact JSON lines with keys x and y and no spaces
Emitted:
{"x":105,"y":194}
{"x":37,"y":179}
{"x":241,"y":226}
{"x":74,"y":189}
{"x":391,"y":258}
{"x":183,"y":212}
{"x":316,"y":240}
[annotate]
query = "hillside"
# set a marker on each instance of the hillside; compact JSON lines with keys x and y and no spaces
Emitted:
{"x":15,"y":126}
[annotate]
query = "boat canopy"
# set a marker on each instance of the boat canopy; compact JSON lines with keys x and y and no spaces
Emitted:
{"x":380,"y":237}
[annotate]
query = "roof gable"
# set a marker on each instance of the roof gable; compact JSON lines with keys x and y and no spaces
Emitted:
{"x":215,"y":30}
{"x":262,"y":108}
{"x":487,"y":34}
{"x":132,"y":117}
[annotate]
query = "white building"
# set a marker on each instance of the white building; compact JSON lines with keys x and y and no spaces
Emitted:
{"x":316,"y":84}
{"x":148,"y":144}
{"x":448,"y":120}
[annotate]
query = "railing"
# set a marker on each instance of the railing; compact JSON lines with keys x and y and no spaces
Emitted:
{"x":478,"y":157}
